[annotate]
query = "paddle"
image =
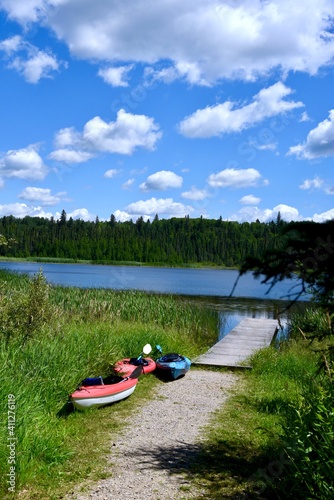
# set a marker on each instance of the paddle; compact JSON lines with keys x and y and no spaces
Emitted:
{"x":136,"y":372}
{"x":146,"y":350}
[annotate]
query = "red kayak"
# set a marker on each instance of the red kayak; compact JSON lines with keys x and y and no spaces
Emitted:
{"x":95,"y":392}
{"x":127,"y":365}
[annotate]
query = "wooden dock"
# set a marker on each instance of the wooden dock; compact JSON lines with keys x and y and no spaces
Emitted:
{"x":247,"y":337}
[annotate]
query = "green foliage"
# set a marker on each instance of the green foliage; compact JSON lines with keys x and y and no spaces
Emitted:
{"x":308,"y":438}
{"x":307,"y":252}
{"x":174,"y":241}
{"x":25,"y":313}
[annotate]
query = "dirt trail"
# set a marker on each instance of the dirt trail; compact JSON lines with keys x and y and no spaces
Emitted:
{"x":149,"y":459}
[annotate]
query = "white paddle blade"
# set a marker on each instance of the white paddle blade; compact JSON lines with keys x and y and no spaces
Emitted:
{"x":147,"y":349}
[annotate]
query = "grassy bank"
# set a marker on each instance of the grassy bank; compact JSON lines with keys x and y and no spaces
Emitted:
{"x":272,"y":439}
{"x":52,"y":338}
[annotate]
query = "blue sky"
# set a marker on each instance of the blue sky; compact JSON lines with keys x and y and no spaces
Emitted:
{"x":137,"y":108}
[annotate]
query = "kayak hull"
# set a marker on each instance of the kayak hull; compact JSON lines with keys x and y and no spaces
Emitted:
{"x":173,"y":366}
{"x":126,"y":366}
{"x":100,"y":395}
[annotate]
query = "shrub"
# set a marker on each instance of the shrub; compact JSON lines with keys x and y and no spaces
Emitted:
{"x":25,"y":312}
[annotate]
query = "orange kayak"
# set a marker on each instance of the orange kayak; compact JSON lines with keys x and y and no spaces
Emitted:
{"x":127,"y":365}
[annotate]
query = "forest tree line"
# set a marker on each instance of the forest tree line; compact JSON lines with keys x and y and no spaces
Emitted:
{"x":172,"y":241}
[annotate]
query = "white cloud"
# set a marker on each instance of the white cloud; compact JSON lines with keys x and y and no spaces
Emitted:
{"x":128,"y":184}
{"x":195,"y":194}
{"x":23,"y":163}
{"x":227,"y":117}
{"x":11,"y":45}
{"x":241,"y":39}
{"x":42,"y":196}
{"x":109,"y":174}
{"x":116,"y":76}
{"x":22,"y":210}
{"x":319,"y":142}
{"x":122,"y":216}
{"x":235,"y":178}
{"x":325,"y":216}
{"x":190,"y":72}
{"x":70,"y":156}
{"x":250,"y":200}
{"x":25,"y":11}
{"x":123,"y":136}
{"x":81,"y":213}
{"x":161,"y":181}
{"x":315,"y":183}
{"x":162,"y":206}
{"x":67,"y":137}
{"x":127,"y":133}
{"x":40,"y":65}
{"x":251,"y":214}
{"x":31,"y":62}
{"x":304,"y":117}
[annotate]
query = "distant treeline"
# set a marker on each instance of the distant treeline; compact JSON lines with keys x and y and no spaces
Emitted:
{"x":172,"y":241}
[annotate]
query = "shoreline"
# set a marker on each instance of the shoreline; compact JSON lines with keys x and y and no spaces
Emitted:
{"x":50,"y":260}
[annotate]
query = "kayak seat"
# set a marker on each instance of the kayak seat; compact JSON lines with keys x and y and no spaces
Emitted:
{"x":138,"y":362}
{"x":92,"y":381}
{"x":171,"y":357}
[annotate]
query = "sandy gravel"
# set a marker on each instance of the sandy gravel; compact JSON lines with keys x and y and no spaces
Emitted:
{"x":149,"y":459}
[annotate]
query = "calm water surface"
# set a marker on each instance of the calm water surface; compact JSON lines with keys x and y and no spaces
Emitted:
{"x":212,"y":286}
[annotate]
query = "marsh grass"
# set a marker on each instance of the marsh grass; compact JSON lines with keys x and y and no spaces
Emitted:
{"x":76,"y":334}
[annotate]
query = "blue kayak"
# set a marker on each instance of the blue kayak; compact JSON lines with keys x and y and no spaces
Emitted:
{"x":172,"y":365}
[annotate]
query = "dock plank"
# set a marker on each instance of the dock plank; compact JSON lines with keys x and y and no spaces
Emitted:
{"x":248,"y":336}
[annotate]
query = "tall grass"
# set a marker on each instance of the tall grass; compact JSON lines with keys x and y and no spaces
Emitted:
{"x":52,"y":338}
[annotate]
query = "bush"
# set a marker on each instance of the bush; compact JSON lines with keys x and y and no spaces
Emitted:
{"x":24,"y":313}
{"x":308,"y":439}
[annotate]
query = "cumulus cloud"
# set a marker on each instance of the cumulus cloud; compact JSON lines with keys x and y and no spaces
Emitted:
{"x":235,"y":178}
{"x":70,"y":156}
{"x":116,"y":76}
{"x":21,"y":210}
{"x":81,"y":213}
{"x":32,"y":63}
{"x":123,"y":136}
{"x":250,"y":199}
{"x":251,"y":214}
{"x":325,"y":216}
{"x":163,"y":206}
{"x":42,"y":196}
{"x":227,"y":117}
{"x":160,"y":181}
{"x":319,"y":142}
{"x":109,"y":174}
{"x":241,"y":39}
{"x":315,"y":183}
{"x":195,"y":194}
{"x":23,"y":163}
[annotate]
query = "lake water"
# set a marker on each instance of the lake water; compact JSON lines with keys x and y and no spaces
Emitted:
{"x":211,"y":286}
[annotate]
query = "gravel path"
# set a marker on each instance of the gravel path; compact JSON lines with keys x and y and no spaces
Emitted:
{"x":150,"y":458}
